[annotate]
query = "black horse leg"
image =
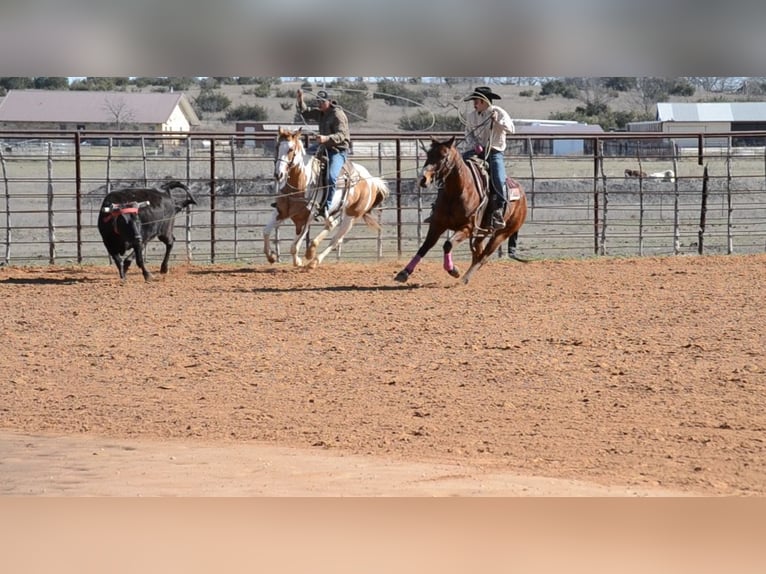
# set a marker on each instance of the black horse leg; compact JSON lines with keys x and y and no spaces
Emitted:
{"x":431,"y":238}
{"x":449,"y":265}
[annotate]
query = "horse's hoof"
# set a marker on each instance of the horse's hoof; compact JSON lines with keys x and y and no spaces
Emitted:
{"x":402,"y":276}
{"x":454,"y":272}
{"x":271,"y":259}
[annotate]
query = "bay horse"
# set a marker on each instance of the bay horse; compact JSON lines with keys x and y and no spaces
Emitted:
{"x":299,"y":174}
{"x":460,"y":206}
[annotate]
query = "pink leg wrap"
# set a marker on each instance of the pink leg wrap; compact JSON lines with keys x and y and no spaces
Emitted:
{"x":448,"y":265}
{"x":412,"y":264}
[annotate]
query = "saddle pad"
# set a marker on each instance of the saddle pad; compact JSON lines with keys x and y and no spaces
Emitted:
{"x":514,"y":189}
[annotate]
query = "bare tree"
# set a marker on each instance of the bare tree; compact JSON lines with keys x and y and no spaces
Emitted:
{"x":119,"y":110}
{"x":594,"y":94}
{"x":649,"y":91}
{"x":716,"y":83}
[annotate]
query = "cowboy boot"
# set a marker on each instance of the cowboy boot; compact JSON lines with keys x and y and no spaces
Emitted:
{"x":497,"y":221}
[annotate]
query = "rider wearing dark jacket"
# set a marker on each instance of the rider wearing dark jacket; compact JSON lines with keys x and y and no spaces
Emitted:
{"x":334,"y":135}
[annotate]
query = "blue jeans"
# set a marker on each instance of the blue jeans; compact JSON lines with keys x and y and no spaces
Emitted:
{"x":496,"y":171}
{"x":335,"y":161}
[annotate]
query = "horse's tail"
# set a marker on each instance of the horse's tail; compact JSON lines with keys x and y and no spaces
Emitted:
{"x":381,"y":190}
{"x":380,"y":187}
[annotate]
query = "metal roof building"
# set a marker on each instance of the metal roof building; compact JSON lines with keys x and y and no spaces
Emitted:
{"x":82,"y":110}
{"x":711,"y":117}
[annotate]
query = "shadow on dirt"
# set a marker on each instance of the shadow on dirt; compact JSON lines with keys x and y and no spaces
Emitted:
{"x":47,"y":280}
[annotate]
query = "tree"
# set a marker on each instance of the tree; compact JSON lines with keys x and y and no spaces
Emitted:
{"x":118,"y":109}
{"x":246,"y":113}
{"x":620,"y":84}
{"x":398,"y":94}
{"x":16,"y":83}
{"x":423,"y":120}
{"x":211,"y":101}
{"x":651,"y":90}
{"x":45,"y":83}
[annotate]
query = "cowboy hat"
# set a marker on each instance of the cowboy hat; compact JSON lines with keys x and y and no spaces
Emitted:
{"x":482,"y":93}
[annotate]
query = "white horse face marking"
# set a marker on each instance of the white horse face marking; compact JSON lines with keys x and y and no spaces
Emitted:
{"x":283,"y":159}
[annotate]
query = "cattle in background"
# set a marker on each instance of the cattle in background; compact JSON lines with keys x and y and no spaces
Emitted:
{"x":666,"y":175}
{"x":634,"y":173}
{"x":130,"y":218}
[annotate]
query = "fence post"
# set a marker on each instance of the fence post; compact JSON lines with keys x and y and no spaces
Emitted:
{"x":51,"y":225}
{"x":595,"y":196}
{"x":235,"y":188}
{"x":729,"y":238}
{"x":398,"y":197}
{"x":188,"y":208}
{"x":533,"y":176}
{"x":143,"y":158}
{"x":78,"y":192}
{"x":606,"y":196}
{"x":703,"y":213}
{"x":109,"y":166}
{"x":7,"y":259}
{"x":212,"y":200}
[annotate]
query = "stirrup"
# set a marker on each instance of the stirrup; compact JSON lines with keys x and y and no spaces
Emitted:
{"x":496,"y":220}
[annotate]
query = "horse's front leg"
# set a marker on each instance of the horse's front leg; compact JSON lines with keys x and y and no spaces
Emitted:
{"x":301,"y":230}
{"x":449,"y":245}
{"x":431,"y":238}
{"x":271,"y":226}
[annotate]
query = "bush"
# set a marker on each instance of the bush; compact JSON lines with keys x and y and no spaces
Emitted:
{"x":397,"y":94}
{"x":246,"y":113}
{"x":354,"y":104}
{"x":211,"y":101}
{"x":557,"y":87}
{"x":422,"y":120}
{"x":262,"y":90}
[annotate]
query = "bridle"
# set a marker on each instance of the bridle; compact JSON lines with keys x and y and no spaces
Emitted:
{"x":439,"y":170}
{"x":290,"y":156}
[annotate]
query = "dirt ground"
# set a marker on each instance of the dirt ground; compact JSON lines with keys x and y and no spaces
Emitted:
{"x":639,"y":376}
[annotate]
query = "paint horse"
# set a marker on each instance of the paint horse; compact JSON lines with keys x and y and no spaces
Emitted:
{"x":300,"y":176}
{"x":460,"y":207}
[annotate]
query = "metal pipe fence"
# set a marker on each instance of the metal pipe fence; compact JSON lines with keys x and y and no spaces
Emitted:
{"x":580,"y":205}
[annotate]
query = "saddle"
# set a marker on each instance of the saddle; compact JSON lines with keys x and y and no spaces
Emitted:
{"x":346,"y":179}
{"x":480,"y":172}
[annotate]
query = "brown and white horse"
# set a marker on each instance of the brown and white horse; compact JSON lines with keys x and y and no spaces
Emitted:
{"x":298,"y":175}
{"x":460,"y":206}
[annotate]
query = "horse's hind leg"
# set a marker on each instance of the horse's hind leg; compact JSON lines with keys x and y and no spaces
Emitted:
{"x":481,"y":250}
{"x":337,"y":239}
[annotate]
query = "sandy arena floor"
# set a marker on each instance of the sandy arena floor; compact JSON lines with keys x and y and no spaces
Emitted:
{"x":640,"y":376}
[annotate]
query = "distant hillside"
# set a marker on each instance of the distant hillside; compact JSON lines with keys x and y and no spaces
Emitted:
{"x":521,"y":102}
{"x":445,"y":99}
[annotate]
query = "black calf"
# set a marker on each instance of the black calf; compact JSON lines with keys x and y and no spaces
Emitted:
{"x":130,"y":218}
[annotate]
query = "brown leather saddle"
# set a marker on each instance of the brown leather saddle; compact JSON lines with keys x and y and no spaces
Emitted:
{"x":480,"y":173}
